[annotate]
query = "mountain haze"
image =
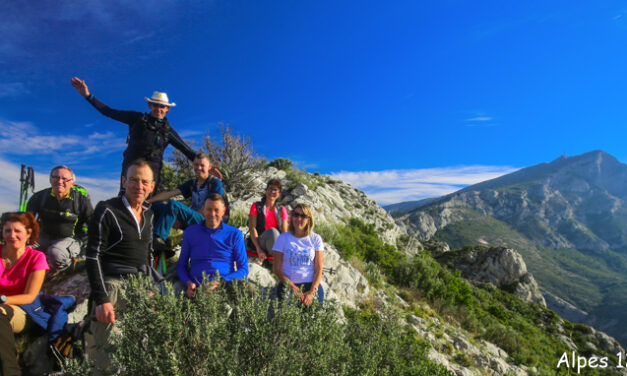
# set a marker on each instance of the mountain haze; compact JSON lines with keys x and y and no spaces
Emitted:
{"x":568,"y":218}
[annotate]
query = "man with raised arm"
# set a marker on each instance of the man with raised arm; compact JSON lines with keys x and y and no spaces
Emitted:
{"x":211,"y":251}
{"x":149,"y":133}
{"x":63,"y":211}
{"x":120,"y":244}
{"x":198,"y":188}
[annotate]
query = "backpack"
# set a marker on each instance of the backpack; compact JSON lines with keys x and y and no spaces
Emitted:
{"x":261,"y":216}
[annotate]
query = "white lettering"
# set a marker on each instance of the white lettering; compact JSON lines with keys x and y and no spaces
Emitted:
{"x":563,"y":359}
{"x":581,"y":365}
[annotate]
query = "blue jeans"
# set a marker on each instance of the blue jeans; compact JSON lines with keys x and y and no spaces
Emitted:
{"x":304,"y":287}
{"x":167,"y":214}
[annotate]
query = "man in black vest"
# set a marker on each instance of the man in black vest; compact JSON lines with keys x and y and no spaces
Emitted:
{"x":62,"y":211}
{"x":149,"y":133}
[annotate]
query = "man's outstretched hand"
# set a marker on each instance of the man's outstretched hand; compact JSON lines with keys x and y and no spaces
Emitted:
{"x":80,"y":86}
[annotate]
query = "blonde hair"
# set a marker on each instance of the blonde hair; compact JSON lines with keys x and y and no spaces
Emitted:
{"x":307,"y":211}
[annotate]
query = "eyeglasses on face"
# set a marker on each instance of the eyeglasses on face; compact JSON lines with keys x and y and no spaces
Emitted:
{"x":157,"y":105}
{"x":58,"y":178}
{"x":299,"y":215}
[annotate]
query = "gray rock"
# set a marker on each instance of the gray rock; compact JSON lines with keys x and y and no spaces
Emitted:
{"x":502,"y":267}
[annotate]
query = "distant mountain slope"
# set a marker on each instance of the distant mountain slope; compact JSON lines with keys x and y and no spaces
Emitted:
{"x":407,"y":205}
{"x":568,"y":218}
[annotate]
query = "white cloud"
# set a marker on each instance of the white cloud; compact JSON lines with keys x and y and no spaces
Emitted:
{"x":480,"y":118}
{"x":99,"y":189}
{"x":392,"y":186}
{"x":13,"y":134}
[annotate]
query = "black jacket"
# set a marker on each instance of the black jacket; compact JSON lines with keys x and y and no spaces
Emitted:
{"x":117,"y":245}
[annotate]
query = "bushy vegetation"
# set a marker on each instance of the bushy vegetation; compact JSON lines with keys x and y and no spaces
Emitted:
{"x":529,"y":333}
{"x":238,"y":332}
{"x":360,"y":240}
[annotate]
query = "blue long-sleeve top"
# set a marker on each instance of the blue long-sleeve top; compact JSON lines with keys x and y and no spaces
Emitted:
{"x":206,"y":250}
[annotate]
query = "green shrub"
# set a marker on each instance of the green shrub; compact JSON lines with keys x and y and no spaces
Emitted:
{"x":361,"y":240}
{"x":281,"y":163}
{"x":238,"y":332}
{"x":425,"y":274}
{"x":239,"y":218}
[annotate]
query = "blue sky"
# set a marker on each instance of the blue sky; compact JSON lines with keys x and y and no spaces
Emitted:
{"x":404,"y":99}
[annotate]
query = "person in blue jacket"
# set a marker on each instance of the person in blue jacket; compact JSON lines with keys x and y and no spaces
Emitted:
{"x":212,"y":251}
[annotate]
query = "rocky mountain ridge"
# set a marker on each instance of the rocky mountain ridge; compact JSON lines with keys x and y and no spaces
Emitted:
{"x":563,"y":216}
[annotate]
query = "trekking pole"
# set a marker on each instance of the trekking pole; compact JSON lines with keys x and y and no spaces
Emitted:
{"x":27,"y":180}
{"x":22,"y":204}
{"x":31,"y":178}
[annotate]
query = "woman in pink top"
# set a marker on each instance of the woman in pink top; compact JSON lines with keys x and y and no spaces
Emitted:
{"x":22,"y":273}
{"x":267,"y":220}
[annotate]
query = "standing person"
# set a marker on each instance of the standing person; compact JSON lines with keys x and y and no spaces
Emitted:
{"x":22,"y":273}
{"x":120,"y":244}
{"x":63,"y":211}
{"x":198,"y":188}
{"x":267,"y":220}
{"x":211,"y":248}
{"x":149,"y":133}
{"x":298,"y":257}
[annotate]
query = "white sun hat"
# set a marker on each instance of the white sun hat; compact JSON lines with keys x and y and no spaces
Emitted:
{"x":160,"y":98}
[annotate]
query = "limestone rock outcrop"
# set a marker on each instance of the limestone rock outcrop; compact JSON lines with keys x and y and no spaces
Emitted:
{"x":502,"y":267}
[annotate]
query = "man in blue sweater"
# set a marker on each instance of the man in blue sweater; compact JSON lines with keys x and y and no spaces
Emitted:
{"x":209,"y":250}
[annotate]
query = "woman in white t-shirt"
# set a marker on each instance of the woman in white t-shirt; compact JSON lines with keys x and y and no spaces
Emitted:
{"x":298,"y":256}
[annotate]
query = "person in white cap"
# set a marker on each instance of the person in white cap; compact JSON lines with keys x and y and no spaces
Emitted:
{"x":149,"y":133}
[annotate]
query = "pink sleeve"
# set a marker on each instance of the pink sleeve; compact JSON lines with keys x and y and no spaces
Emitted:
{"x":283,"y":213}
{"x":253,"y":209}
{"x":39,"y":261}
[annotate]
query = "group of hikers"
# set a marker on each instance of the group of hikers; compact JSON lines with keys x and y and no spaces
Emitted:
{"x":122,"y":235}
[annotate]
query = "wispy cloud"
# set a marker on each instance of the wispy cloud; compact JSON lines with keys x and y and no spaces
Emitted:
{"x":138,"y":38}
{"x":479,"y":121}
{"x":392,"y":186}
{"x":99,"y":189}
{"x":480,"y":118}
{"x":13,"y":135}
{"x":13,"y":89}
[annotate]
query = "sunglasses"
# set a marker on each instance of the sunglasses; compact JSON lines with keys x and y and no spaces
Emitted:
{"x":158,"y":105}
{"x":299,"y":215}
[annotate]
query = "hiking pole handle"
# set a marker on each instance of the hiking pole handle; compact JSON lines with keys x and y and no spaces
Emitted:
{"x":23,"y":174}
{"x":31,"y":178}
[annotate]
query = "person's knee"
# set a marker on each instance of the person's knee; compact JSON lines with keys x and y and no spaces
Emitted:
{"x":58,"y":258}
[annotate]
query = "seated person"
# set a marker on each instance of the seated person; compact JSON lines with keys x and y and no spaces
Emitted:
{"x":198,"y":189}
{"x":298,"y":256}
{"x":22,"y":273}
{"x":63,"y":211}
{"x":267,"y":220}
{"x":211,"y":247}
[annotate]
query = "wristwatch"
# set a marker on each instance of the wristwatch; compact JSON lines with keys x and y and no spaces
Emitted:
{"x":3,"y":298}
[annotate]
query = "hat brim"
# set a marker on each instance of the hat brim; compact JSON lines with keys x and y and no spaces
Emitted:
{"x":161,"y":103}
